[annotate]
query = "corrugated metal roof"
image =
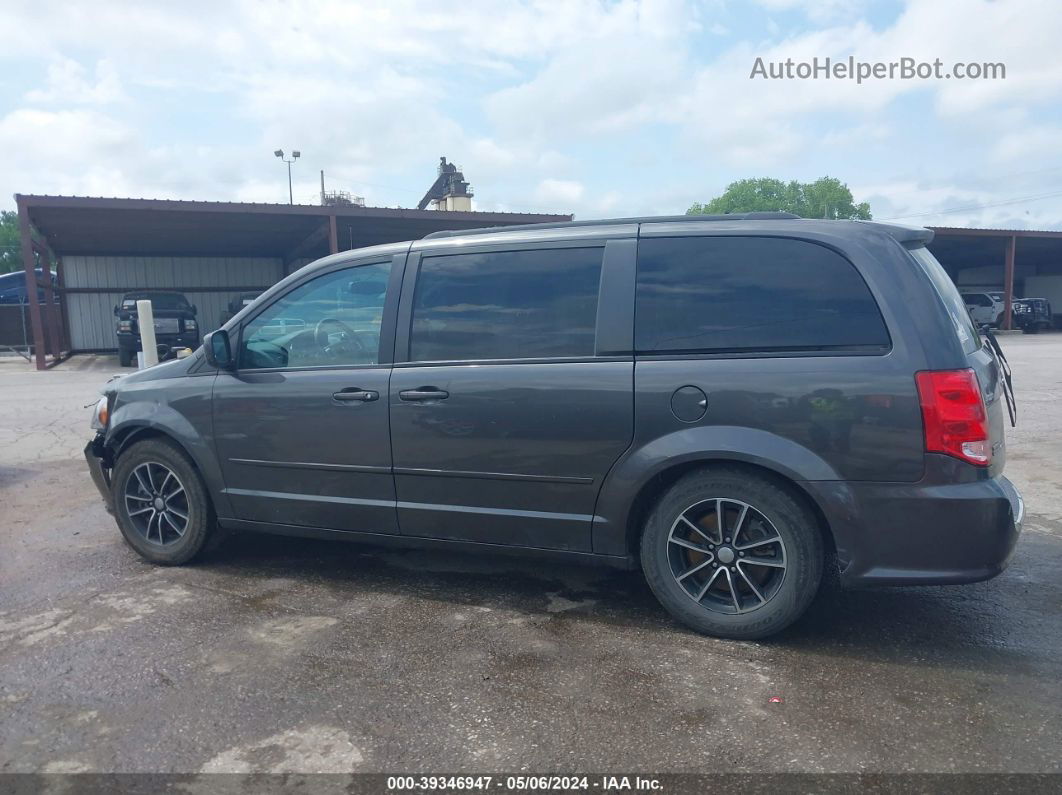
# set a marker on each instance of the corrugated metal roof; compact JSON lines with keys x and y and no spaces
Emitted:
{"x":179,"y":227}
{"x":44,"y":198}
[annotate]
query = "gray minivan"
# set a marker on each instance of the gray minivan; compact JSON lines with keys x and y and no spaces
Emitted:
{"x":732,"y":404}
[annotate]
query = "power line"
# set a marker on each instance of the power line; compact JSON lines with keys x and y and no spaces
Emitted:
{"x":1002,"y":203}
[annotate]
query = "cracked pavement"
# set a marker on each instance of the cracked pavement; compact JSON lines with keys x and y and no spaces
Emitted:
{"x":289,"y":655}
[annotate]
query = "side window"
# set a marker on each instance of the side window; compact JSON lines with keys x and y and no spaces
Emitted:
{"x":331,"y":321}
{"x":949,"y":294}
{"x":700,"y":294}
{"x":506,"y":305}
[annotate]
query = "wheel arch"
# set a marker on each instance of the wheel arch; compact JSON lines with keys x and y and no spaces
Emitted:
{"x":121,"y":440}
{"x":652,"y":489}
{"x":649,"y":468}
{"x":198,"y":453}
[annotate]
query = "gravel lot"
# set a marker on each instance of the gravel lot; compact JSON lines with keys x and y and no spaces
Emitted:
{"x":280,"y":655}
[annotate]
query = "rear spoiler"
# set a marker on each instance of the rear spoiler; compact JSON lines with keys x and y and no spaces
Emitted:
{"x":908,"y":236}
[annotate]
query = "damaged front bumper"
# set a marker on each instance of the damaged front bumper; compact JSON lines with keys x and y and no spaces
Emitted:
{"x":100,"y":469}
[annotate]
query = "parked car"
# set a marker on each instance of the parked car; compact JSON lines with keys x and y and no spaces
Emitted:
{"x":175,"y":323}
{"x":1032,"y":315}
{"x":13,"y":287}
{"x":984,"y":308}
{"x":236,"y":304}
{"x":732,"y":404}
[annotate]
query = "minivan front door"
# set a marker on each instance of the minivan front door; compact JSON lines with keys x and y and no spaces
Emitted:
{"x":505,"y":419}
{"x":302,"y":425}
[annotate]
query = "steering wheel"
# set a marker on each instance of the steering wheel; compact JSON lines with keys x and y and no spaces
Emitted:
{"x":320,"y":335}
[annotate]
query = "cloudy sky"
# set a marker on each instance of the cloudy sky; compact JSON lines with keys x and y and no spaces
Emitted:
{"x":597,"y":108}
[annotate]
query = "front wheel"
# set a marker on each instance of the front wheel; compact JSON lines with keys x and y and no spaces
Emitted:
{"x":161,"y":505}
{"x":732,"y":554}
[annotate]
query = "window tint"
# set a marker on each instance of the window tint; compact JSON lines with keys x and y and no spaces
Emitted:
{"x":331,"y":321}
{"x":744,"y":293}
{"x":949,"y":294}
{"x":506,"y":305}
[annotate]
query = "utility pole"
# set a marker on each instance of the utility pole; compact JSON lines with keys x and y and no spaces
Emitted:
{"x":294,"y":156}
{"x":322,"y":188}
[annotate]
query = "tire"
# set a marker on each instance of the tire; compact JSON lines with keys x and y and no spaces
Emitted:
{"x":125,"y":357}
{"x":140,"y":473}
{"x":766,"y":598}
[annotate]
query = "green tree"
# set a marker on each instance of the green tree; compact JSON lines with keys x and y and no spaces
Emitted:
{"x":826,"y":197}
{"x":10,"y":242}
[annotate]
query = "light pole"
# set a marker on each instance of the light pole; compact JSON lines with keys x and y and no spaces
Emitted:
{"x":294,"y":156}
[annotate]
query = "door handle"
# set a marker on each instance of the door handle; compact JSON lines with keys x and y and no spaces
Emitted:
{"x":363,"y":395}
{"x":424,"y":393}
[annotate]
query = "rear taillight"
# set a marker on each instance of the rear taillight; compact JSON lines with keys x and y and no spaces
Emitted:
{"x":953,"y":412}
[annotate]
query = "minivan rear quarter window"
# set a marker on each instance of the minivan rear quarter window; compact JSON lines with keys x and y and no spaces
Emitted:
{"x":719,"y":294}
{"x":506,"y":305}
{"x":949,"y":294}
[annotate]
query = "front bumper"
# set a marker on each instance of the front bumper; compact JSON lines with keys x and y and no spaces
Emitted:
{"x":922,"y":533}
{"x":96,"y":458}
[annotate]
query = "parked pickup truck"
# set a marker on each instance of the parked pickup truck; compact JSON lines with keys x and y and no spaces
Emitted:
{"x":175,"y":323}
{"x":1032,"y":314}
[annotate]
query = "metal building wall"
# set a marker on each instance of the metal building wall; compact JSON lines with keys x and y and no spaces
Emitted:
{"x":208,"y":282}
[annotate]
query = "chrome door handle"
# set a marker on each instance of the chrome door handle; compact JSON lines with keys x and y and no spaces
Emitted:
{"x":424,"y":393}
{"x":363,"y":395}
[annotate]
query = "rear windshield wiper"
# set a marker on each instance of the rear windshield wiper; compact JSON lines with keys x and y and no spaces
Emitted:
{"x":1004,"y":367}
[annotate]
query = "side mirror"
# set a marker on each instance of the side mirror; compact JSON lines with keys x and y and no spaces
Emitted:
{"x":194,"y":310}
{"x":116,"y":310}
{"x":218,"y":350}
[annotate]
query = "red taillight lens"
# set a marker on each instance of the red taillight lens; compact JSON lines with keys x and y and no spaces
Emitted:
{"x":953,"y":412}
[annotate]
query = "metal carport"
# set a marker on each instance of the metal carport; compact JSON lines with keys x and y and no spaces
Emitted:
{"x":101,"y":248}
{"x":1017,"y":262}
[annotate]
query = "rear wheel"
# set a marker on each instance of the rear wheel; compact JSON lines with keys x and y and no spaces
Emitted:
{"x":732,"y":554}
{"x":161,"y":505}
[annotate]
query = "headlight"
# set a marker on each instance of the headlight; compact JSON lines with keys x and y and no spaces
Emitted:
{"x":125,"y":325}
{"x":100,"y":415}
{"x":190,"y":325}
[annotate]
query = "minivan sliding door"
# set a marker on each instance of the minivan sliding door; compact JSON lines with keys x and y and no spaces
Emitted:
{"x":515,"y":396}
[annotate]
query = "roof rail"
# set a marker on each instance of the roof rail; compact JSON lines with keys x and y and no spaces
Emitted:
{"x":755,"y":216}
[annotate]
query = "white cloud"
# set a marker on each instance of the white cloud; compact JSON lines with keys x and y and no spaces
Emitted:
{"x":559,"y":192}
{"x":818,"y":10}
{"x":626,"y":70}
{"x":1017,"y":144}
{"x":69,"y":83}
{"x":69,"y":151}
